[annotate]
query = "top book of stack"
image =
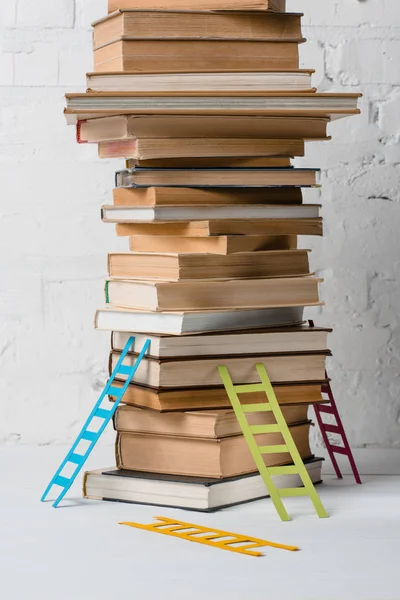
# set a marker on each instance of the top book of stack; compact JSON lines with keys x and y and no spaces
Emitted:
{"x":271,"y":5}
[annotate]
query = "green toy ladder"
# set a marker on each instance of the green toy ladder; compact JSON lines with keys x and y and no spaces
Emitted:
{"x":249,"y":431}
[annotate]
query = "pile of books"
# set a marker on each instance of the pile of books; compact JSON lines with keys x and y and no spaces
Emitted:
{"x":207,"y":108}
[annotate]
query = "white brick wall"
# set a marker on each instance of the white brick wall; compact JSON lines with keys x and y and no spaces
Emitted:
{"x":53,"y":244}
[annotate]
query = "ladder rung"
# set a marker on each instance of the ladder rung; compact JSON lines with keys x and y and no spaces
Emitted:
{"x":265,"y":429}
{"x":89,"y":436}
{"x":251,"y":387}
{"x":292,"y":492}
{"x":283,"y":470}
{"x":325,"y":408}
{"x":332,"y":428}
{"x":77,"y":459}
{"x":62,"y":481}
{"x":114,"y":391}
{"x":102,"y":413}
{"x":339,"y":449}
{"x":273,"y":449}
{"x":125,"y":370}
{"x":255,"y":408}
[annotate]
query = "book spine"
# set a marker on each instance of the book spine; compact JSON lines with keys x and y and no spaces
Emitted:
{"x":79,"y":131}
{"x":107,"y":292}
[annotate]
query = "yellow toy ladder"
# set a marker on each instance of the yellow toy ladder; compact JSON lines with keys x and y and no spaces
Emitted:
{"x":249,"y":431}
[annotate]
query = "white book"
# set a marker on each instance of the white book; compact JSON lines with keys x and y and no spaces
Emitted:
{"x":135,"y":214}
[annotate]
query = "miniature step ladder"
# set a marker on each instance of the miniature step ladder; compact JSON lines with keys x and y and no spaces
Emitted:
{"x":74,"y":457}
{"x":331,"y":409}
{"x":249,"y":431}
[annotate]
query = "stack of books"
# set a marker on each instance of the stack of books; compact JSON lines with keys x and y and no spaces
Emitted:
{"x":207,"y":108}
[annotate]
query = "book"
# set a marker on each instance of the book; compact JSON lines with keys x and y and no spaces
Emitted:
{"x":223,"y":227}
{"x":215,"y":398}
{"x":195,"y":56}
{"x":211,"y":162}
{"x":181,"y":323}
{"x":194,"y":294}
{"x":164,"y":148}
{"x":250,"y":103}
{"x":207,"y":423}
{"x":167,"y":24}
{"x":218,"y":177}
{"x":195,"y":371}
{"x":202,"y":457}
{"x":250,"y":213}
{"x":161,"y":196}
{"x":228,"y":5}
{"x":267,"y":81}
{"x":189,"y":493}
{"x":217,"y":244}
{"x":207,"y":126}
{"x":176,"y":267}
{"x":289,"y":339}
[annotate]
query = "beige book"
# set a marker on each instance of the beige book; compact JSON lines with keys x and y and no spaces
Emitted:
{"x":137,"y":23}
{"x":213,"y":295}
{"x":217,"y":244}
{"x":224,"y":227}
{"x":205,"y":423}
{"x":174,"y":267}
{"x":200,"y":457}
{"x":144,"y":149}
{"x":271,"y":5}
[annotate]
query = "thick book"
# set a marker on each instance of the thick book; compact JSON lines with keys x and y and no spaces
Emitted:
{"x":203,"y":457}
{"x":267,"y":81}
{"x":215,"y":424}
{"x":194,"y":294}
{"x":161,"y":196}
{"x":335,"y":105}
{"x":289,"y":339}
{"x":176,"y":267}
{"x":164,"y":148}
{"x":195,"y":372}
{"x":182,"y":323}
{"x":206,"y":229}
{"x":228,"y":5}
{"x":217,"y":244}
{"x":189,"y":493}
{"x":206,"y":398}
{"x":250,"y":213}
{"x":123,"y":127}
{"x":196,"y":24}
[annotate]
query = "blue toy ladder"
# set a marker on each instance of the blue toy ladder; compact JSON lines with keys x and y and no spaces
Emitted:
{"x":74,"y":457}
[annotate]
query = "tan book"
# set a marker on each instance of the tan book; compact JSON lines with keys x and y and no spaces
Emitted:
{"x":217,"y":244}
{"x":197,"y":162}
{"x":190,"y":372}
{"x":264,"y":81}
{"x":212,"y":295}
{"x":166,"y":400}
{"x":143,"y":149}
{"x":193,"y":56}
{"x":172,"y":24}
{"x":123,"y":127}
{"x":223,"y":227}
{"x":202,"y":457}
{"x":229,"y":5}
{"x":201,"y":424}
{"x":175,"y":267}
{"x":287,"y":340}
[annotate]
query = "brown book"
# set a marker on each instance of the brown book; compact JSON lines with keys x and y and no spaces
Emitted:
{"x":224,"y":227}
{"x":201,"y":424}
{"x":212,"y":295}
{"x":189,"y":372}
{"x":143,"y":149}
{"x":236,"y":126}
{"x":197,"y":162}
{"x":217,"y":244}
{"x":164,"y":196}
{"x":175,"y":267}
{"x":173,"y":24}
{"x":165,"y":400}
{"x":272,"y":5}
{"x":202,"y":457}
